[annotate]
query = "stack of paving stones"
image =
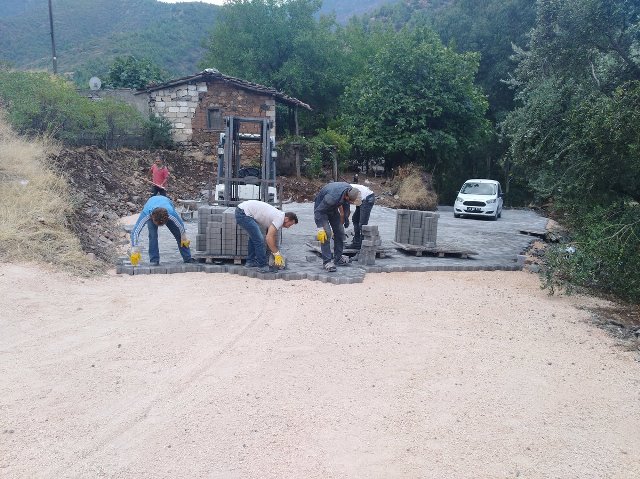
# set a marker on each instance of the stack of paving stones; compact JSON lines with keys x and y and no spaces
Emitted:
{"x":219,"y":234}
{"x":370,"y":243}
{"x":418,"y":228}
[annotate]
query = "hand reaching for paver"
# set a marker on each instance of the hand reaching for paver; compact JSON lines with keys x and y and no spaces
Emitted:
{"x":135,"y":256}
{"x":278,"y":259}
{"x":185,"y":242}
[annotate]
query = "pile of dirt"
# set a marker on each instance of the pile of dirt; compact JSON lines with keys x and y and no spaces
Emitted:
{"x":107,"y":185}
{"x":415,"y":189}
{"x":404,"y":190}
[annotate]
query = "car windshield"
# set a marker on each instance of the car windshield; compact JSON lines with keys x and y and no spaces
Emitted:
{"x":478,"y":189}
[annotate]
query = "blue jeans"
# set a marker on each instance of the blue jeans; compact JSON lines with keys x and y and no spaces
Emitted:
{"x":256,"y":252}
{"x":154,"y":251}
{"x":333,"y":223}
{"x":361,"y":217}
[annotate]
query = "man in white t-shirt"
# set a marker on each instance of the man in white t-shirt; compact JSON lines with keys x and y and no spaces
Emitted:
{"x":361,"y":214}
{"x":255,"y":217}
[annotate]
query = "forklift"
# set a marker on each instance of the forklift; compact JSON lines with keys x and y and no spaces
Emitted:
{"x":247,"y":139}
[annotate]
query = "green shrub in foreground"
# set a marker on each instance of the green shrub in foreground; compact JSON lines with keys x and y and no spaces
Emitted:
{"x":604,"y":254}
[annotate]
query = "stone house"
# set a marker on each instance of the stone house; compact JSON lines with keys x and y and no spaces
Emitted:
{"x":196,"y":105}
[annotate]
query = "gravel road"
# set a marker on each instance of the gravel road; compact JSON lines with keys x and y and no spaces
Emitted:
{"x":405,"y":375}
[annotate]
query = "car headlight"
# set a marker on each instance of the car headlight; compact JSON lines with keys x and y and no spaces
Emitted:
{"x":493,"y":200}
{"x":459,"y":200}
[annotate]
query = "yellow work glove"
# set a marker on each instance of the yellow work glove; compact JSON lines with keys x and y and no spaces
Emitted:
{"x":184,"y":242}
{"x":321,"y":235}
{"x":278,"y":259}
{"x":135,"y":256}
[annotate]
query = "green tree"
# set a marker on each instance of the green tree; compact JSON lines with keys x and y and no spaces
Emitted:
{"x":573,"y":77}
{"x":415,"y":101}
{"x":132,"y":72}
{"x":575,"y":136}
{"x":282,"y":44}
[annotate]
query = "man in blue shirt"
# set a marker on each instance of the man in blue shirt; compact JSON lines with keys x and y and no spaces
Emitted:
{"x":159,"y":211}
{"x":330,"y":209}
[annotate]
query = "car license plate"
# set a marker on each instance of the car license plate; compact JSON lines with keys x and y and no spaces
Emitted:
{"x":474,"y":210}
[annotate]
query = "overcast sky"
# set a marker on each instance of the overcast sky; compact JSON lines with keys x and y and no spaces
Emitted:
{"x":215,"y":2}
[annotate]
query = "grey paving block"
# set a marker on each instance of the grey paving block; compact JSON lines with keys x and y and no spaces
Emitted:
{"x":124,"y":269}
{"x":141,"y":270}
{"x":192,"y":268}
{"x":160,"y":269}
{"x":373,"y":269}
{"x":234,"y":269}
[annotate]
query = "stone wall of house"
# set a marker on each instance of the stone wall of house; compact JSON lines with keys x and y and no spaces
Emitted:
{"x":187,"y":108}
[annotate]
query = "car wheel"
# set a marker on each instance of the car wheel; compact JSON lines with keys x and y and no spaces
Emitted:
{"x":495,"y":217}
{"x":500,"y":214}
{"x":456,"y":215}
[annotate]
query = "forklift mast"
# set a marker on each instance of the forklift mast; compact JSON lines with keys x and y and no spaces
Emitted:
{"x":240,"y":133}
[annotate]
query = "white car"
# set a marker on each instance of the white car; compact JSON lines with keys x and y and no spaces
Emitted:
{"x":479,"y":197}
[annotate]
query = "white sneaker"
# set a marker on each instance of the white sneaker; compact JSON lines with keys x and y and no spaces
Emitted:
{"x":343,"y":261}
{"x":329,"y":267}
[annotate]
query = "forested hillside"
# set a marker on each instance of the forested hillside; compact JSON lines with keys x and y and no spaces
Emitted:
{"x":90,"y":33}
{"x":345,"y":9}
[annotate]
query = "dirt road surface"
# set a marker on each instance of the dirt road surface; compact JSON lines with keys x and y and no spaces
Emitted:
{"x":406,"y":375}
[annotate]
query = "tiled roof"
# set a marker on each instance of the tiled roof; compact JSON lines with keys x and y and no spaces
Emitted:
{"x":211,"y":74}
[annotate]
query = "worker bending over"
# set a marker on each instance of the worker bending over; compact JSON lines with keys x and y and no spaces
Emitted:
{"x":360,"y":215}
{"x":255,"y":217}
{"x":330,"y":209}
{"x":159,"y":211}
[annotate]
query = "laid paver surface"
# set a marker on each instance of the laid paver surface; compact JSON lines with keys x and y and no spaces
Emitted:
{"x":497,"y":244}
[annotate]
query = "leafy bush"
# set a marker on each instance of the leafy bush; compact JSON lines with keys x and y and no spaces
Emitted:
{"x":40,"y":103}
{"x":319,"y":150}
{"x":603,"y":255}
{"x":157,"y":132}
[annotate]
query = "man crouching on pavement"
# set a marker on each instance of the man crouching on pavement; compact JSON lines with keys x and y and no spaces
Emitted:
{"x":255,"y":216}
{"x":330,"y":209}
{"x":160,"y":211}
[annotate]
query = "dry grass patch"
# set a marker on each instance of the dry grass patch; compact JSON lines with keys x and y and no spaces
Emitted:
{"x":415,"y":189}
{"x":35,"y":205}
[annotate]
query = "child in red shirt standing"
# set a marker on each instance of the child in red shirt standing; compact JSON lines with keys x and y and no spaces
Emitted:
{"x":159,"y":176}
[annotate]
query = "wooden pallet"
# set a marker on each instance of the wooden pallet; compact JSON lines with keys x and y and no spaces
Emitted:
{"x":441,"y":250}
{"x":213,"y":258}
{"x":380,"y":252}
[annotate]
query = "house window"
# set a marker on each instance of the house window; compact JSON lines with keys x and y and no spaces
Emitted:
{"x":214,"y":119}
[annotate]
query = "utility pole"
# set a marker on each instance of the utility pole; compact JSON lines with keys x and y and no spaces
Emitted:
{"x":53,"y":41}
